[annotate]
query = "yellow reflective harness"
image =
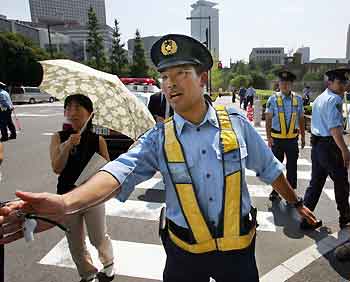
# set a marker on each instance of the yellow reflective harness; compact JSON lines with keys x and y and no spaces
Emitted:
{"x":204,"y":240}
{"x":292,"y":132}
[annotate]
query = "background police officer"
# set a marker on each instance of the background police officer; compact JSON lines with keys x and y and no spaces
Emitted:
{"x":284,"y":122}
{"x":330,"y":156}
{"x":202,"y":153}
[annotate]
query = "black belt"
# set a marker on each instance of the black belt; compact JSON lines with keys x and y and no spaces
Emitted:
{"x":323,"y":139}
{"x":186,"y":235}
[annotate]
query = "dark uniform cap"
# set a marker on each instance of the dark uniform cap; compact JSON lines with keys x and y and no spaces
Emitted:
{"x":285,"y":75}
{"x":176,"y":49}
{"x":340,"y":73}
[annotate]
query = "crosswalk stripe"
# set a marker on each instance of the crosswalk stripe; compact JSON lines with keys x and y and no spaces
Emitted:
{"x":134,"y":209}
{"x":302,"y":174}
{"x":131,"y":259}
{"x":151,"y":211}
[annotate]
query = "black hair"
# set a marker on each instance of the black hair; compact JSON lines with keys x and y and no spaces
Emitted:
{"x":83,"y":101}
{"x":80,"y":99}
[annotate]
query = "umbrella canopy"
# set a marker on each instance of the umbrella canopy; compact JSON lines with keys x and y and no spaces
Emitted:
{"x":114,"y":106}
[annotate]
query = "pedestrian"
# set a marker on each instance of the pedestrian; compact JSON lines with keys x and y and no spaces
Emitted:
{"x":202,"y":153}
{"x":233,"y":95}
{"x":159,"y":107}
{"x":284,"y":118}
{"x":306,"y":95}
{"x":70,"y":151}
{"x":250,"y":93}
{"x":2,"y":250}
{"x":329,"y":154}
{"x":6,"y":109}
{"x":241,"y":93}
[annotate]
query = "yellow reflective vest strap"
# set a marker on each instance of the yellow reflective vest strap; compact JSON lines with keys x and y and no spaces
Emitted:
{"x":204,"y":241}
{"x":284,"y":133}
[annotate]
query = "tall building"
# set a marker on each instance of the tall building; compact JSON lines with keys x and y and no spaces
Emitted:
{"x":348,"y":44}
{"x":305,"y":54}
{"x":69,"y":10}
{"x":147,"y":41}
{"x":274,"y":54}
{"x":202,"y":10}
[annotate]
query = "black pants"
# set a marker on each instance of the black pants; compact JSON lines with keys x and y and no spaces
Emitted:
{"x":288,"y":147}
{"x":241,"y":101}
{"x":249,"y":100}
{"x":6,"y":122}
{"x":232,"y":266}
{"x":327,"y":160}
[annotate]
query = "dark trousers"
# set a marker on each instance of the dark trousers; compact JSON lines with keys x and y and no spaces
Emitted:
{"x":241,"y":101}
{"x":327,"y":160}
{"x":249,"y":100}
{"x":232,"y":266}
{"x":6,"y":122}
{"x":288,"y":147}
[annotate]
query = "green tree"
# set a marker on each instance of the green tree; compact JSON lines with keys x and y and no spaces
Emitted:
{"x":139,"y":67}
{"x":19,"y":61}
{"x":118,"y":59}
{"x":217,"y":79}
{"x":95,"y":46}
{"x":313,"y":76}
{"x":258,"y":80}
{"x":241,"y":80}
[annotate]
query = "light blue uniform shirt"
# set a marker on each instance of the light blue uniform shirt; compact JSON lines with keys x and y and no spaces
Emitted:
{"x":327,"y":113}
{"x":272,"y":107}
{"x":5,"y":100}
{"x":250,"y":92}
{"x":201,"y":148}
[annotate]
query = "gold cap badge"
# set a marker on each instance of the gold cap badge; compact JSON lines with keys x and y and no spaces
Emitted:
{"x":169,"y":47}
{"x":284,"y":75}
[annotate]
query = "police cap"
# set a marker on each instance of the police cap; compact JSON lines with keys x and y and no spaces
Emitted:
{"x":285,"y":75}
{"x":176,"y":49}
{"x":340,"y":74}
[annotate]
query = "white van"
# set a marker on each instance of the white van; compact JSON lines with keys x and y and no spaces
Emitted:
{"x":30,"y":95}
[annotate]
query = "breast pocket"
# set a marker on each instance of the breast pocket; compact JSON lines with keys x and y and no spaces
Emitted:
{"x":232,"y":161}
{"x":180,"y":172}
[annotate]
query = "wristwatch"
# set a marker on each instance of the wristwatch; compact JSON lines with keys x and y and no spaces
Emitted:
{"x":299,"y":202}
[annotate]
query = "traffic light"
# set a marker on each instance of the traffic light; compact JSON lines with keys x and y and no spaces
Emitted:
{"x":219,"y":65}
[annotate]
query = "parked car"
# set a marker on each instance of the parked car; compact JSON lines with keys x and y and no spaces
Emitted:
{"x":30,"y":95}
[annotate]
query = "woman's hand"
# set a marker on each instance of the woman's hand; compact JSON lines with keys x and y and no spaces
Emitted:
{"x":74,"y":139}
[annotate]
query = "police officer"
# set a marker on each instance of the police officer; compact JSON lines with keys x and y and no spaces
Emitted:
{"x":330,"y":156}
{"x":284,"y":122}
{"x":202,"y":153}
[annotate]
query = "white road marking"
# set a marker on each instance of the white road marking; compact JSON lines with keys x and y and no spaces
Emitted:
{"x":330,"y":194}
{"x":298,"y":262}
{"x":153,"y":183}
{"x":40,"y":105}
{"x":38,"y":115}
{"x":266,"y":221}
{"x":131,"y":259}
{"x":302,"y":174}
{"x":259,"y":191}
{"x":134,"y":209}
{"x":48,"y":134}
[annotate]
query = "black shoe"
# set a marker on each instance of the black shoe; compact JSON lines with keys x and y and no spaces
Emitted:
{"x":342,"y":253}
{"x":102,"y":277}
{"x":274,"y":196}
{"x":344,"y":221}
{"x":12,"y":137}
{"x":304,"y":225}
{"x":2,"y":139}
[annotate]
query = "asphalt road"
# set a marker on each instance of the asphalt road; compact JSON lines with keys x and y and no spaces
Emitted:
{"x":134,"y":226}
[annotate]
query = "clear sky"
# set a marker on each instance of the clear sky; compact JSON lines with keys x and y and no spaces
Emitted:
{"x":319,"y":24}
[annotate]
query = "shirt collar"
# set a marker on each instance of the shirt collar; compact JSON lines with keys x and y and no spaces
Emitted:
{"x":210,"y":117}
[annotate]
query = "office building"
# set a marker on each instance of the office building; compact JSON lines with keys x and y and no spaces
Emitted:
{"x":348,"y":44}
{"x":147,"y":41}
{"x":200,"y":13}
{"x":305,"y":54}
{"x":67,"y":10}
{"x":274,"y":54}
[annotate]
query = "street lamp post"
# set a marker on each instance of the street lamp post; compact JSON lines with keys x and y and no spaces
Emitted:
{"x":208,"y":41}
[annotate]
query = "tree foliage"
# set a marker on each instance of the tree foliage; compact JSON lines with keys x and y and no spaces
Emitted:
{"x":118,"y":59}
{"x":95,"y":47}
{"x":139,"y":67}
{"x":19,"y":57}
